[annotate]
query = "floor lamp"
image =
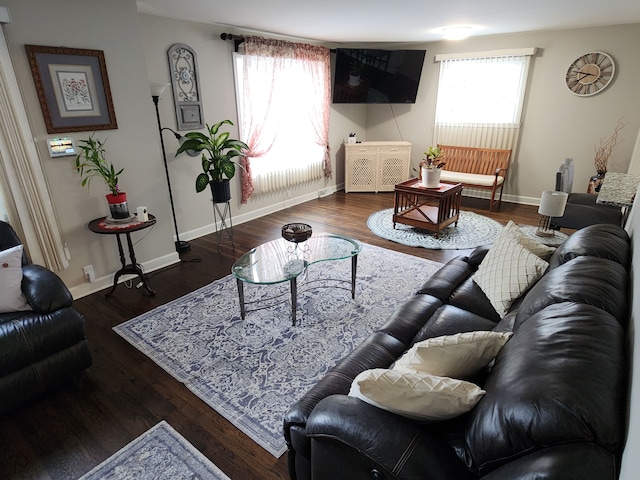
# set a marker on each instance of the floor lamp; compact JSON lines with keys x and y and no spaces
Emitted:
{"x":156,"y":90}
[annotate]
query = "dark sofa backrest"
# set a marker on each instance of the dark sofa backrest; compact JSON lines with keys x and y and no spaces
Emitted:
{"x":560,"y":380}
{"x":601,"y":240}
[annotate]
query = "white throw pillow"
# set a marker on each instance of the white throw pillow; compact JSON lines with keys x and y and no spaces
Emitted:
{"x":535,"y":247}
{"x":11,"y":297}
{"x":507,"y":271}
{"x":459,"y":356}
{"x":416,"y":395}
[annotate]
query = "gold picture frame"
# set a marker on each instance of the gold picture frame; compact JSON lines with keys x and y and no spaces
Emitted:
{"x":73,"y":88}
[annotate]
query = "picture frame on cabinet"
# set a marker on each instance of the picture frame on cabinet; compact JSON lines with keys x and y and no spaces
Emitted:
{"x":73,"y":88}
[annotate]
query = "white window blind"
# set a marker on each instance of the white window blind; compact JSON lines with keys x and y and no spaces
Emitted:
{"x":480,"y":98}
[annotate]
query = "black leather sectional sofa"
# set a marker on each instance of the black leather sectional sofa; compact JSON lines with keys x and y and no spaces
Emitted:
{"x":45,"y":346}
{"x":555,"y":403}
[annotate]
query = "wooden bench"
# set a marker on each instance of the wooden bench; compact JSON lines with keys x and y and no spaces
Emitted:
{"x":484,"y":168}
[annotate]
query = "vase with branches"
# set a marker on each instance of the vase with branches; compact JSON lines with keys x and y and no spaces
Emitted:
{"x":602,"y":156}
{"x":605,"y":149}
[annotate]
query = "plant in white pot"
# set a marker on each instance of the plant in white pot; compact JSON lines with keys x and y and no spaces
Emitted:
{"x":218,"y":159}
{"x":90,"y":163}
{"x":431,"y":166}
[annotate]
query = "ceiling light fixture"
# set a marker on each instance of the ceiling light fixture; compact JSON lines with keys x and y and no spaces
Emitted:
{"x":456,"y":33}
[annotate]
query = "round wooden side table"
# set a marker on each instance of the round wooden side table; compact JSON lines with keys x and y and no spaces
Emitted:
{"x":103,"y":227}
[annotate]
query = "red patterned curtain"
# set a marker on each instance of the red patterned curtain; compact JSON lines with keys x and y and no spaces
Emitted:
{"x":270,"y":59}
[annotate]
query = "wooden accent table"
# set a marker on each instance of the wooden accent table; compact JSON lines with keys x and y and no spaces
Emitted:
{"x":101,"y":226}
{"x":429,"y":208}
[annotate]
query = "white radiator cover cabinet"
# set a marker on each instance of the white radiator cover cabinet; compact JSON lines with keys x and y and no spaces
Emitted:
{"x":376,"y":166}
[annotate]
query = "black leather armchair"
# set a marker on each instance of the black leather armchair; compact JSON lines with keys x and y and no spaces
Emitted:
{"x":43,"y":347}
{"x":582,"y":209}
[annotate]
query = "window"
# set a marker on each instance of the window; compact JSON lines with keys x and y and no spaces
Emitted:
{"x":480,"y":98}
{"x":283,"y":107}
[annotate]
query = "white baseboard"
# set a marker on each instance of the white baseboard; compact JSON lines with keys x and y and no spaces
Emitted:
{"x":102,"y":283}
{"x":172,"y":258}
{"x":261,"y":212}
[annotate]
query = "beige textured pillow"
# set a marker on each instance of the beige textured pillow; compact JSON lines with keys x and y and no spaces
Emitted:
{"x":418,"y":396}
{"x":459,"y":356}
{"x":507,"y":271}
{"x":11,"y":297}
{"x":535,"y":247}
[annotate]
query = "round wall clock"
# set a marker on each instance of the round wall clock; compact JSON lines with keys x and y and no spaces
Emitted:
{"x":590,"y":73}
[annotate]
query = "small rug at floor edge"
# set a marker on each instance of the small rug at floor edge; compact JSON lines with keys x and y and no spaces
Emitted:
{"x":251,"y":371}
{"x":160,"y":452}
{"x":472,"y":231}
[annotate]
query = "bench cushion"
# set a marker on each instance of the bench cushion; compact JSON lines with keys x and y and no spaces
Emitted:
{"x":470,"y":178}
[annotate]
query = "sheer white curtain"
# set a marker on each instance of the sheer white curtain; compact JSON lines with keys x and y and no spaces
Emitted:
{"x":480,"y":98}
{"x":24,"y":186}
{"x":284,"y":114}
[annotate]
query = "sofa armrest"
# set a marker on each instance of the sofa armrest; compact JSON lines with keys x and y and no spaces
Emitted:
{"x":44,"y":290}
{"x":577,"y":461}
{"x":352,"y":439}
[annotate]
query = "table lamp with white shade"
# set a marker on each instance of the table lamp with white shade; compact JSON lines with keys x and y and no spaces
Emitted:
{"x":552,"y":204}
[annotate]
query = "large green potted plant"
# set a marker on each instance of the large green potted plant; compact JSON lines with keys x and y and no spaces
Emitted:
{"x":218,"y":159}
{"x":91,"y":163}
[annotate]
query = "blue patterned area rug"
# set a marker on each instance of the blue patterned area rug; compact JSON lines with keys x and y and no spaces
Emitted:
{"x":251,"y":371}
{"x":159,"y":453}
{"x":473,"y":231}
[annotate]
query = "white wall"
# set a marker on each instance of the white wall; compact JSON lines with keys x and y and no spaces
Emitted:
{"x":112,"y":27}
{"x":556,"y":124}
{"x":631,"y":457}
{"x":214,"y":58}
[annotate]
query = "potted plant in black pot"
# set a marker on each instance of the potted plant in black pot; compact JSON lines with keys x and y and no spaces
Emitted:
{"x":90,"y":163}
{"x":218,"y":159}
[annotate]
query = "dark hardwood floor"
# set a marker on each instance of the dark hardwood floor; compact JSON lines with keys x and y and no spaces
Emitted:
{"x":64,"y":434}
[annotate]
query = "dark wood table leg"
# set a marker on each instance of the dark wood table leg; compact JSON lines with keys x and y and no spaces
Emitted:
{"x":354,"y":269}
{"x":135,"y":268}
{"x":123,"y":261}
{"x":132,"y":269}
{"x":294,"y":299}
{"x":243,"y":311}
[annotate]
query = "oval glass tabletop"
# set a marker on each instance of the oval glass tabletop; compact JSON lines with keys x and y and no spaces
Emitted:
{"x":280,"y":260}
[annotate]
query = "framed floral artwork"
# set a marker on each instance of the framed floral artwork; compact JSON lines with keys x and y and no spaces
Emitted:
{"x":73,"y":88}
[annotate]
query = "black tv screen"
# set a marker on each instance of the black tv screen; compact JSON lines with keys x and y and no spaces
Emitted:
{"x":377,"y":76}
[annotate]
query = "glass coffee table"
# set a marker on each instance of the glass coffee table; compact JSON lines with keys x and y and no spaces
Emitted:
{"x":281,"y":261}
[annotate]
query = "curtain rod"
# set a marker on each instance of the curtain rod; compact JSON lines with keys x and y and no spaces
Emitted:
{"x":238,"y":39}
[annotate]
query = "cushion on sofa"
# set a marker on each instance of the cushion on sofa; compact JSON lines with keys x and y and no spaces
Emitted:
{"x":459,"y":356}
{"x":410,"y":317}
{"x":449,"y":320}
{"x":531,"y":244}
{"x":592,"y":281}
{"x":602,"y":240}
{"x":508,"y":270}
{"x":11,"y":296}
{"x":470,"y":178}
{"x":560,"y":379}
{"x":417,"y":396}
{"x":470,"y":297}
{"x":442,"y":283}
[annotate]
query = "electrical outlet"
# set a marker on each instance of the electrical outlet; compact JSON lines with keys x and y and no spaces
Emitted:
{"x":88,"y":273}
{"x":322,"y":193}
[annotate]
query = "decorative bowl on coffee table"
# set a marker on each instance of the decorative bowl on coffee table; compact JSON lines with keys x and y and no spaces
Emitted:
{"x":296,"y":232}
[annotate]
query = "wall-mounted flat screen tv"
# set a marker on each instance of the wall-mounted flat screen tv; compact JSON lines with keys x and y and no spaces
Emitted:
{"x":377,"y":76}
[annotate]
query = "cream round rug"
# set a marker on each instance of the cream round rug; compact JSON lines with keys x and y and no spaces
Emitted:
{"x":473,"y":230}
